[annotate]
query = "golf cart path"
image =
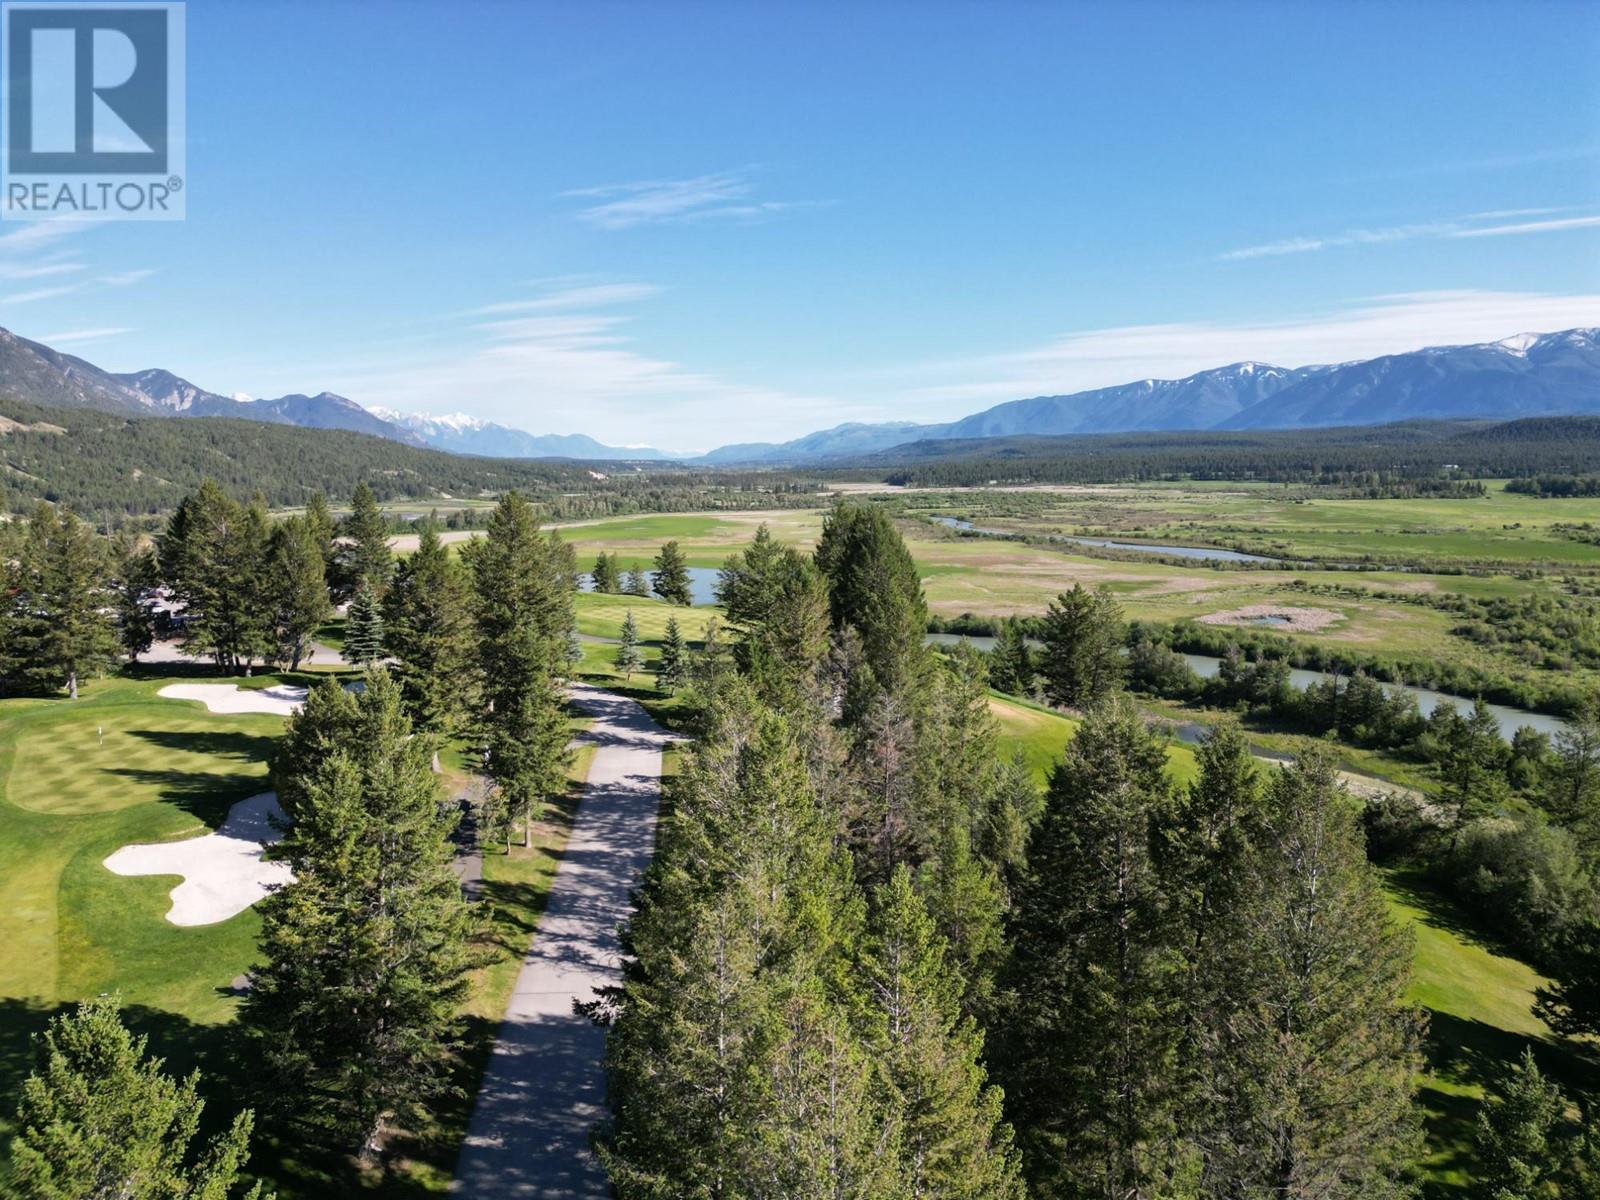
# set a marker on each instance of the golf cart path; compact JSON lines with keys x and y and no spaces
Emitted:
{"x":544,"y":1090}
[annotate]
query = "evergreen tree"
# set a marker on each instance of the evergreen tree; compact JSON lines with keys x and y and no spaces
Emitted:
{"x":136,"y":577}
{"x":1515,"y":1153}
{"x":1011,"y":665}
{"x":670,"y":579}
{"x":674,"y":658}
{"x":323,"y":529}
{"x":1310,"y":1054}
{"x":604,"y":573}
{"x":572,"y":654}
{"x":59,"y":632}
{"x":213,"y":555}
{"x":1093,"y":986}
{"x":733,"y":1063}
{"x":874,"y":587}
{"x":523,"y":616}
{"x":1572,"y":786}
{"x":363,"y":627}
{"x":366,"y":555}
{"x":638,"y":583}
{"x":1570,"y":1004}
{"x":100,"y":1120}
{"x":427,"y":630}
{"x":352,"y":1013}
{"x":777,"y":603}
{"x":953,"y":1142}
{"x":629,"y":657}
{"x":1082,"y":659}
{"x":298,"y":583}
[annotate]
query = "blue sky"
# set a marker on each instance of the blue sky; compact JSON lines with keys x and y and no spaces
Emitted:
{"x":685,"y":224}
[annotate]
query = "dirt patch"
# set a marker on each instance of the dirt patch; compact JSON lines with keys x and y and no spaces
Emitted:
{"x":1276,"y":616}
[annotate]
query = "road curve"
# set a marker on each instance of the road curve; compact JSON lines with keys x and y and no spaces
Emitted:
{"x":544,"y":1089}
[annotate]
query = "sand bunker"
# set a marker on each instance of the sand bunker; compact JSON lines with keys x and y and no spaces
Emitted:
{"x":223,"y":872}
{"x":280,"y":701}
{"x":1274,"y":616}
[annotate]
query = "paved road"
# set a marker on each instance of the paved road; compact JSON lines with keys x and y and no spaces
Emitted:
{"x":544,"y":1090}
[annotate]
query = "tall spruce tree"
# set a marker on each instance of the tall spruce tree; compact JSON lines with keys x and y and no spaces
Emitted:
{"x":100,"y":1119}
{"x":1011,"y":664}
{"x":1082,"y":658}
{"x":1311,"y":1056}
{"x":297,"y":581}
{"x":366,"y":556}
{"x":953,"y":1142}
{"x":363,"y":627}
{"x":638,"y":583}
{"x":323,"y":531}
{"x":523,"y":616}
{"x":60,"y":631}
{"x":136,"y":576}
{"x":1572,"y":783}
{"x":1092,"y":990}
{"x":674,"y":658}
{"x":213,"y":555}
{"x":777,"y":604}
{"x":874,"y":588}
{"x":1515,"y":1151}
{"x":352,"y":1015}
{"x":629,"y":656}
{"x":427,"y":630}
{"x":735,"y":1068}
{"x":670,"y":579}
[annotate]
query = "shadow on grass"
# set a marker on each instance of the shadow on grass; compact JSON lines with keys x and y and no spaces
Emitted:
{"x":1414,"y":888}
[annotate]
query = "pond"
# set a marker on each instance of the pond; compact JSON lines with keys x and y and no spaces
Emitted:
{"x":702,"y":584}
{"x":1207,"y":553}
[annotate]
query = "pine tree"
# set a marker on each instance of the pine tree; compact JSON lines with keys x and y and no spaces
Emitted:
{"x":1082,"y":658}
{"x":670,"y":579}
{"x":298,"y":582}
{"x":60,"y":632}
{"x":629,"y":657}
{"x":1572,"y":789}
{"x":1311,"y":1056}
{"x":323,"y":529}
{"x":1515,"y":1155}
{"x":638,"y":583}
{"x":99,"y":1118}
{"x":1011,"y":665}
{"x":366,"y":555}
{"x":352,"y":1014}
{"x":427,"y":630}
{"x":1092,"y":989}
{"x":734,"y":1067}
{"x":953,"y":1142}
{"x":213,"y":557}
{"x":522,"y":613}
{"x":136,"y":577}
{"x":674,"y":658}
{"x":1570,"y":1004}
{"x":363,"y":627}
{"x":875,"y":588}
{"x":604,"y":573}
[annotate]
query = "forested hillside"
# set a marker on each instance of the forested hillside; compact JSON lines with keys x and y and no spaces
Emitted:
{"x":113,"y":467}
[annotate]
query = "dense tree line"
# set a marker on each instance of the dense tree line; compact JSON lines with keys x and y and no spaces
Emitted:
{"x":1388,"y":459}
{"x":861,"y":919}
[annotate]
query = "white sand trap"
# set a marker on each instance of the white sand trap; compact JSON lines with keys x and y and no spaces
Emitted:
{"x":281,"y":701}
{"x":223,"y":872}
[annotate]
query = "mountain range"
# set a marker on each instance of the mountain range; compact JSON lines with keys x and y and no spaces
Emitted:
{"x":1523,"y":376}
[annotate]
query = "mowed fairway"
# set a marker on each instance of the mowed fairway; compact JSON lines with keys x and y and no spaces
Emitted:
{"x":166,"y":769}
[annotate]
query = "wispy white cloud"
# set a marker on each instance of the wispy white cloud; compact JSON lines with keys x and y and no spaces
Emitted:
{"x":69,"y":336}
{"x":38,"y":270}
{"x":1365,"y":328}
{"x":126,"y":278}
{"x":592,"y":296}
{"x":48,"y":293}
{"x":1484,"y":224}
{"x":727,"y":195}
{"x":566,"y":362}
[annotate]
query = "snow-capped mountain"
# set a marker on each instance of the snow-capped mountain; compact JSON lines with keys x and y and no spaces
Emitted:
{"x":465,"y":434}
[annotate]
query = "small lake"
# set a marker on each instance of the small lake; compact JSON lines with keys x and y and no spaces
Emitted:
{"x":1207,"y":553}
{"x":702,"y":584}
